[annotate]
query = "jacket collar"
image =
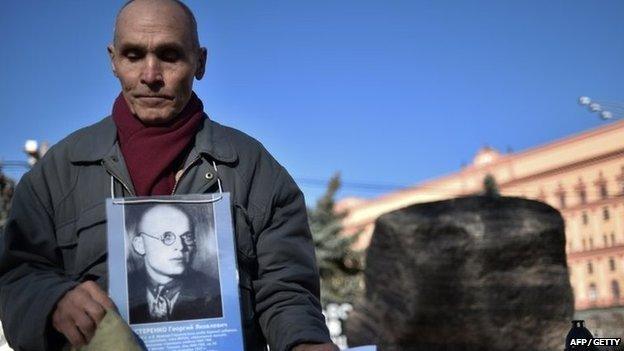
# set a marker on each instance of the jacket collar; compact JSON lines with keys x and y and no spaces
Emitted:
{"x":97,"y":141}
{"x":212,"y":140}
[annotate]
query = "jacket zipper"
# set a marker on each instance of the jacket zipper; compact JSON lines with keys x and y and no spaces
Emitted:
{"x":112,"y":174}
{"x":175,"y":185}
{"x":124,"y":185}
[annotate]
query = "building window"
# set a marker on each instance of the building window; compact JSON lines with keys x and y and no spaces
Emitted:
{"x":590,"y":268}
{"x":615,"y":290}
{"x":593,"y":292}
{"x":580,"y":190}
{"x":611,"y":264}
{"x":583,"y":196}
{"x":561,"y":195}
{"x":612,"y":238}
{"x":562,"y":200}
{"x":605,"y":213}
{"x":604,"y":241}
{"x":601,"y":183}
{"x":585,"y":218}
{"x":584,"y":245}
{"x":591,"y":243}
{"x":620,"y":179}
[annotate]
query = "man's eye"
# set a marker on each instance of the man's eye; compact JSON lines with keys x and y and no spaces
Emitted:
{"x":168,"y":238}
{"x":188,"y":238}
{"x":132,"y":55}
{"x":170,"y":56}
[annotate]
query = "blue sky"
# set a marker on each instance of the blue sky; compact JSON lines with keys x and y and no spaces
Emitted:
{"x":386,"y":92}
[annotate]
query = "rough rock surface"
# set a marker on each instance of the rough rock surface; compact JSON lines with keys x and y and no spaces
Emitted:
{"x":604,"y":322}
{"x":474,"y":273}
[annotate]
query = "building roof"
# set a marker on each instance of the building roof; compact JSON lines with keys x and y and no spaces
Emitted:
{"x":507,"y":168}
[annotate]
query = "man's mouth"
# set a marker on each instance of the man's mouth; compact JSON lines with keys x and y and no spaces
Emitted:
{"x":154,"y":99}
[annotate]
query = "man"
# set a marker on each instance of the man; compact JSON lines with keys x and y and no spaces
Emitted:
{"x":158,"y":141}
{"x":165,"y":287}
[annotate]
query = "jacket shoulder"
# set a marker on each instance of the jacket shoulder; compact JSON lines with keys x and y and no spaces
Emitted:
{"x":242,"y":143}
{"x":84,"y":144}
{"x":254,"y":161}
{"x":53,"y":177}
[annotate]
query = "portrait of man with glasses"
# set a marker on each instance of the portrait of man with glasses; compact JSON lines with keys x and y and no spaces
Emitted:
{"x":163,"y":285}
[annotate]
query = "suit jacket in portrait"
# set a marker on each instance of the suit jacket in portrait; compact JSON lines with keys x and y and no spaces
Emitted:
{"x":199,"y":298}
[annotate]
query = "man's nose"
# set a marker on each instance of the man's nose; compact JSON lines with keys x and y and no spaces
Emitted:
{"x":152,"y":74}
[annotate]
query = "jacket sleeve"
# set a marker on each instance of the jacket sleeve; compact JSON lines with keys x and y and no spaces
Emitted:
{"x":31,"y":270}
{"x":287,"y":288}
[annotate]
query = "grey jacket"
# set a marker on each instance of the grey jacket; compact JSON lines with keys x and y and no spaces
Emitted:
{"x":55,"y":236}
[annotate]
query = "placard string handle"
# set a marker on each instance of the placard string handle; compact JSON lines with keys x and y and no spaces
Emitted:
{"x":122,"y":201}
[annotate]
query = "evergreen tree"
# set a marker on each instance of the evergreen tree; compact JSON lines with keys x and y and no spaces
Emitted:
{"x":340,"y":266}
{"x":6,"y":193}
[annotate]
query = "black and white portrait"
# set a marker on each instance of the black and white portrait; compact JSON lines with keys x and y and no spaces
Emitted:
{"x":172,"y":262}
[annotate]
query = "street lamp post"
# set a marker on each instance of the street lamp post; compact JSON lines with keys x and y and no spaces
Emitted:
{"x":35,"y":151}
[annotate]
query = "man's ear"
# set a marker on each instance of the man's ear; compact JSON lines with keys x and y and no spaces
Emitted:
{"x":201,"y":65}
{"x":138,"y":245}
{"x":111,"y":55}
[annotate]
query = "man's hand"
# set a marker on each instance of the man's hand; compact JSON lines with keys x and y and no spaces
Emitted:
{"x":79,"y":311}
{"x":316,"y":347}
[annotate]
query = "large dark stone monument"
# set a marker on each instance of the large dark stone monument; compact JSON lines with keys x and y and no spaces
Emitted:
{"x":474,"y":273}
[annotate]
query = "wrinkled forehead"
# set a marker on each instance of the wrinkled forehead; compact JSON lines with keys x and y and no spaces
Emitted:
{"x":165,"y":218}
{"x":147,"y":23}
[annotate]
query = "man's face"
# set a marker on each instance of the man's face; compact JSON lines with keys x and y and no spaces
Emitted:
{"x":163,"y":256}
{"x":155,"y":57}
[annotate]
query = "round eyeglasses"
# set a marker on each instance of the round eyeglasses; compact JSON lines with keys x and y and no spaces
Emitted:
{"x":169,"y":238}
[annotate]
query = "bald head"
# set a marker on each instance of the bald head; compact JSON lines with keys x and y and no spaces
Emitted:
{"x":155,"y":9}
{"x":164,"y":216}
